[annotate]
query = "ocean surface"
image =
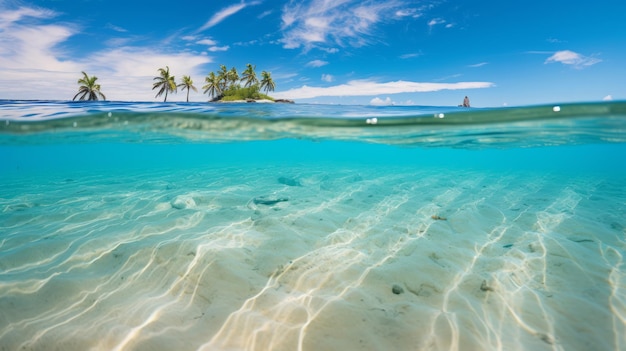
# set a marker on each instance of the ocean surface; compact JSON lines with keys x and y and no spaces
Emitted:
{"x":194,"y":226}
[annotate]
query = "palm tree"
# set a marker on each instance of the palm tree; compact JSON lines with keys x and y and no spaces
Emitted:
{"x":165,"y":82}
{"x":187,"y":84}
{"x":213,"y":85}
{"x":222,"y":77}
{"x":266,"y":82}
{"x":233,"y":77}
{"x":89,"y":89}
{"x":249,"y":76}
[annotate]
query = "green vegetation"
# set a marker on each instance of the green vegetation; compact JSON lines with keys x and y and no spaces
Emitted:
{"x":249,"y":76}
{"x":187,"y":84}
{"x":88,"y":89}
{"x":165,"y":82}
{"x":267,"y":83}
{"x":212,"y":86}
{"x":235,"y":93}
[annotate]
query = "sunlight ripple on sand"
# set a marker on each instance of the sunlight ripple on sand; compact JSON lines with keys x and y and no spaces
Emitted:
{"x":347,"y":259}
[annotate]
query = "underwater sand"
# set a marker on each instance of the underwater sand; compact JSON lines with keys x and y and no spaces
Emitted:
{"x":310,"y":257}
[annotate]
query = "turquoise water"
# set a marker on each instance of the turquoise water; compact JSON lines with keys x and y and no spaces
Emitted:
{"x":147,"y":226}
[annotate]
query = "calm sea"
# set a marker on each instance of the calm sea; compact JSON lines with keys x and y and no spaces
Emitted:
{"x":159,"y":226}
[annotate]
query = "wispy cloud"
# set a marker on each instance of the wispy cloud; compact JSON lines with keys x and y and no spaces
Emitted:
{"x":117,"y":42}
{"x":265,"y":14}
{"x":330,"y":50}
{"x":10,"y":16}
{"x":316,"y":63}
{"x":333,"y":22}
{"x":476,"y":65}
{"x":225,"y":13}
{"x":115,"y":28}
{"x":327,"y":78}
{"x":435,"y":21}
{"x":371,"y":88}
{"x":572,"y":58}
{"x":212,"y":44}
{"x":555,"y":41}
{"x":408,"y":56}
{"x":219,"y":48}
{"x":409,"y":12}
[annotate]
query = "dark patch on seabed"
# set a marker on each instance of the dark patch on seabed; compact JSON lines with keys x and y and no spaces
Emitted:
{"x":268,"y":201}
{"x":289,"y":181}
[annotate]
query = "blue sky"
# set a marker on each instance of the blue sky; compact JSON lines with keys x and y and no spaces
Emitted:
{"x":499,"y":53}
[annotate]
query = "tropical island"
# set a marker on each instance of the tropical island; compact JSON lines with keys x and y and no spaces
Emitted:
{"x":222,"y":86}
{"x":226,"y":85}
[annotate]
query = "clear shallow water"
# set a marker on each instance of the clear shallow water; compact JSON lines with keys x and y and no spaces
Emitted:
{"x":254,"y":227}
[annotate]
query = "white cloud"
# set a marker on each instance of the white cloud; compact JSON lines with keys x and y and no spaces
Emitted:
{"x":316,"y":63}
{"x":342,"y":22}
{"x":208,"y":42}
{"x":265,"y":14}
{"x":380,"y":102}
{"x":571,"y":58}
{"x":225,"y":13}
{"x":327,"y":78}
{"x":435,"y":21}
{"x":141,"y":62}
{"x":222,"y":15}
{"x":219,"y":48}
{"x":607,"y":98}
{"x":370,"y":88}
{"x":478,"y":64}
{"x":33,"y":67}
{"x":408,"y":12}
{"x":33,"y":46}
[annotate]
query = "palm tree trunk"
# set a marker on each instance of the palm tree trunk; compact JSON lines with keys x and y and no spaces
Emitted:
{"x":165,"y":100}
{"x":187,"y":95}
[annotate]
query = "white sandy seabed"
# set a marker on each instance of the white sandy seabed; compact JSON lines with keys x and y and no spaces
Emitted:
{"x":313,"y":259}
